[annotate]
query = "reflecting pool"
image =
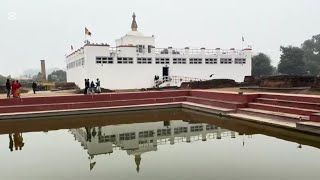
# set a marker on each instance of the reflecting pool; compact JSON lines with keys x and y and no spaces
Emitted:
{"x":165,"y":144}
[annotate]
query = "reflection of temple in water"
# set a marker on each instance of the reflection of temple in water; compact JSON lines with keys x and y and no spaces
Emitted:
{"x":140,"y":138}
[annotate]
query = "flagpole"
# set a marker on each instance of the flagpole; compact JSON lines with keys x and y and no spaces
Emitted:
{"x":85,"y":36}
{"x":242,"y":42}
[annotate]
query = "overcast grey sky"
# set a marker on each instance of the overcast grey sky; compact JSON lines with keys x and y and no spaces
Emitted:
{"x":31,"y":30}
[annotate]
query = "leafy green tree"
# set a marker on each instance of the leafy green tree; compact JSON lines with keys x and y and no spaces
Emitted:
{"x":3,"y":80}
{"x":58,"y":76}
{"x":312,"y":68}
{"x":37,"y":77}
{"x":311,"y":49}
{"x":291,"y":61}
{"x":261,"y":65}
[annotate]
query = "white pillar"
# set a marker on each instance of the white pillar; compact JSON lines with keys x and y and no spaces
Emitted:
{"x":219,"y":133}
{"x":218,"y":54}
{"x":188,"y":134}
{"x":204,"y":133}
{"x":232,"y":51}
{"x":172,"y":136}
{"x":203,"y":54}
{"x":233,"y":134}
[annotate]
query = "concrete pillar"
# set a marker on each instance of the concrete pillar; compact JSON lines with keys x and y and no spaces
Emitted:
{"x":43,"y":70}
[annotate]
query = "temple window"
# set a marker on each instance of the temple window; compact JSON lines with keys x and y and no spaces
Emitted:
{"x":162,"y":61}
{"x":211,"y":61}
{"x":195,"y":61}
{"x":239,"y":61}
{"x":179,"y":61}
{"x":225,"y":61}
{"x":125,"y":60}
{"x":144,"y":60}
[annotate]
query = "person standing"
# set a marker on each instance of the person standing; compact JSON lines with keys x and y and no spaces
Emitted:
{"x":14,"y":88}
{"x":8,"y":87}
{"x":98,"y":88}
{"x":34,"y":87}
{"x":86,"y":86}
{"x":92,"y":87}
{"x":18,"y":89}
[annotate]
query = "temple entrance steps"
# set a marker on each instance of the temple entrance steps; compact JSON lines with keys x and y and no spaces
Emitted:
{"x":303,"y":105}
{"x":273,"y":114}
{"x":283,"y":107}
{"x":296,"y":104}
{"x":216,"y":102}
{"x":269,"y":120}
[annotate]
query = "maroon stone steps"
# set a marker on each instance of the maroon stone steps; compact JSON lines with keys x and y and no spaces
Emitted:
{"x":272,"y":114}
{"x":232,"y":97}
{"x":315,"y":117}
{"x":284,"y":109}
{"x":90,"y":98}
{"x":296,"y":104}
{"x":297,"y":98}
{"x":85,"y":105}
{"x":216,"y":103}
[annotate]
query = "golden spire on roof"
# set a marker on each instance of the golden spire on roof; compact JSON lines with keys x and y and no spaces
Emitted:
{"x":134,"y":25}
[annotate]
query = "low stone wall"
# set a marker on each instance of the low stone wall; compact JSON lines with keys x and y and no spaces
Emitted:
{"x":214,"y":83}
{"x":66,"y":86}
{"x":287,"y":81}
{"x":2,"y":89}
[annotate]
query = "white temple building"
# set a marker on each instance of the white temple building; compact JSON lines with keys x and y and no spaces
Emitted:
{"x":135,"y":61}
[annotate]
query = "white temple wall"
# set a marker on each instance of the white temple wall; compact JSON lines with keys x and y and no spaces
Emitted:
{"x":135,"y":40}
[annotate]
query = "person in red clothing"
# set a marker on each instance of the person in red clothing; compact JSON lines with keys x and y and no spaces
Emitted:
{"x":18,"y":92}
{"x":14,"y":87}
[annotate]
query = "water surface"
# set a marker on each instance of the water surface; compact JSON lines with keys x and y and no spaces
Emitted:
{"x":166,"y":144}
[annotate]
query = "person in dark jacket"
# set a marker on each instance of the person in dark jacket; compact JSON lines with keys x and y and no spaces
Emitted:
{"x":86,"y":86}
{"x":92,"y":87}
{"x":8,"y":88}
{"x":34,"y":87}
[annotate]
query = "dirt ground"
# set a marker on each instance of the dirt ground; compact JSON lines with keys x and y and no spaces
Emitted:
{"x":235,"y":89}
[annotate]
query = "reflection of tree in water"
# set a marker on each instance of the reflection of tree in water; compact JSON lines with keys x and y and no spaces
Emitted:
{"x":17,"y":141}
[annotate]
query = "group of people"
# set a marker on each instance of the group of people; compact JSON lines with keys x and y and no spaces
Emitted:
{"x":92,"y":87}
{"x":16,"y":140}
{"x":13,"y":88}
